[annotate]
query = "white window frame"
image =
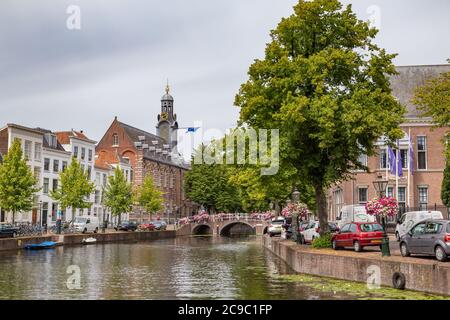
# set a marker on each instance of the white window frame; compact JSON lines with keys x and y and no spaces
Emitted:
{"x":422,"y":151}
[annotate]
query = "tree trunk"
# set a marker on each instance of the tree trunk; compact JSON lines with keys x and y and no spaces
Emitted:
{"x":322,"y":211}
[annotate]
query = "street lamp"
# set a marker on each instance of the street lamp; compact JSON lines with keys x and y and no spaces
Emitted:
{"x":380,"y":186}
{"x":295,"y":216}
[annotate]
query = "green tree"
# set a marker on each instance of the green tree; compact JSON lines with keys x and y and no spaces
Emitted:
{"x":149,"y":197}
{"x":445,"y":192}
{"x":325,"y":85}
{"x":118,"y":195}
{"x":74,"y":188}
{"x":17,"y":182}
{"x":208,"y":185}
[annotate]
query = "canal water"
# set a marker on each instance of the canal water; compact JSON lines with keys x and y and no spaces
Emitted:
{"x":182,"y":268}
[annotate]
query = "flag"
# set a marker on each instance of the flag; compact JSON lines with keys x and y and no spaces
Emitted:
{"x":192,"y":129}
{"x":392,"y":161}
{"x":400,"y":163}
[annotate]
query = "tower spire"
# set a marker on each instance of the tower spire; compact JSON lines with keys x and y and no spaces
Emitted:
{"x":167,"y":87}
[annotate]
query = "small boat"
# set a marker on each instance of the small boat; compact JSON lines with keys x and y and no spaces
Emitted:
{"x":40,"y":246}
{"x":89,"y":241}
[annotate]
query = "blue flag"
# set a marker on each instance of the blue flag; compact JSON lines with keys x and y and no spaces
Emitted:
{"x":192,"y":129}
{"x":393,"y":162}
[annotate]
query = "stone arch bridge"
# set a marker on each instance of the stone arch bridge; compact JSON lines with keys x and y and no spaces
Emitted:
{"x":225,"y":228}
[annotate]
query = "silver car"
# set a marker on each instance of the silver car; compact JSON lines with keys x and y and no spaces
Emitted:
{"x":428,"y":237}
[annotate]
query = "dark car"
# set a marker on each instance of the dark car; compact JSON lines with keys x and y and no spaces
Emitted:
{"x":159,"y":225}
{"x":127,"y":226}
{"x":429,"y":237}
{"x":8,"y":231}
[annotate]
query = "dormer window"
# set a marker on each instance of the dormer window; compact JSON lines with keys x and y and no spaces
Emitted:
{"x":51,"y":140}
{"x":115,"y":140}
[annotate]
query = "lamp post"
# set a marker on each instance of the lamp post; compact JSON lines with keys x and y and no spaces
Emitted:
{"x":380,"y":186}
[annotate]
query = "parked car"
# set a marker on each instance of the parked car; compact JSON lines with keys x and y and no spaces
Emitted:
{"x":409,"y":219}
{"x":312,"y":230}
{"x":429,"y":237}
{"x":146,"y":227}
{"x":160,"y":225}
{"x":86,"y":224}
{"x":276,"y":226}
{"x":127,"y":226}
{"x":353,"y":213}
{"x":303,"y":226}
{"x":358,"y":235}
{"x":8,"y":231}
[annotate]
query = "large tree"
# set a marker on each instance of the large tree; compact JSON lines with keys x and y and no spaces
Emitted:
{"x":149,"y":197}
{"x":17,"y":182}
{"x":325,"y":85}
{"x":118,"y":195}
{"x":74,"y":188}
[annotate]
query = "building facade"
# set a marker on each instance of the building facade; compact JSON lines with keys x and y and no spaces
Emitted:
{"x":150,"y":154}
{"x":421,"y":151}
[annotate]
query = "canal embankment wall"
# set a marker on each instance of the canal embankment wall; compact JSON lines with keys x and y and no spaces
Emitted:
{"x":423,"y":275}
{"x":76,"y":239}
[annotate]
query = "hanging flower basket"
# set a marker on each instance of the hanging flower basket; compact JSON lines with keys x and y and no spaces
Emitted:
{"x":295,"y":208}
{"x":382,"y":207}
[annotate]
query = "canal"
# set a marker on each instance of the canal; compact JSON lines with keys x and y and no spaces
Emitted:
{"x":182,"y":268}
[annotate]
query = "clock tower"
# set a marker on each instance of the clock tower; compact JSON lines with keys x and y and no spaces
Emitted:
{"x":167,"y":126}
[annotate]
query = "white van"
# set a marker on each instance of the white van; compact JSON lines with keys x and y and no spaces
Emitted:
{"x":409,"y":219}
{"x":353,"y":213}
{"x":86,"y":224}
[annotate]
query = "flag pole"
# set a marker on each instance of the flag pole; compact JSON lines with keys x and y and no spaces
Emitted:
{"x":387,"y":169}
{"x":409,"y":167}
{"x":396,"y":172}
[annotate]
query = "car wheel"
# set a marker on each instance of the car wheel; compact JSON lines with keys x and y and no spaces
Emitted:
{"x":404,"y":250}
{"x":397,"y":236}
{"x":270,"y":234}
{"x":357,"y":246}
{"x":441,"y":255}
{"x":96,"y":230}
{"x":85,"y":230}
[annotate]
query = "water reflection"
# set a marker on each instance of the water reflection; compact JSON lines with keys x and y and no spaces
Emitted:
{"x":182,"y":268}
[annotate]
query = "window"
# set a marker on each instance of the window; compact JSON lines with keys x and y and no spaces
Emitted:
{"x":422,"y":153}
{"x":27,"y":149}
{"x":97,"y":178}
{"x":345,"y":228}
{"x":97,"y":197}
{"x":83,"y":153}
{"x":105,"y":180}
{"x":362,"y":195}
{"x":54,"y":211}
{"x":404,"y":155}
{"x":353,"y":228}
{"x":363,"y":159}
{"x":75,"y":152}
{"x":89,"y":171}
{"x":64,"y":165}
{"x":419,"y":229}
{"x":46,"y":185}
{"x":115,"y":140}
{"x":433,"y":228}
{"x":390,"y":192}
{"x":82,"y":167}
{"x":90,"y":155}
{"x":44,"y":212}
{"x":46,"y":164}
{"x":423,"y":198}
{"x":338,"y":200}
{"x":37,"y":151}
{"x":55,"y":185}
{"x":37,"y":176}
{"x":55,"y":165}
{"x":383,"y":159}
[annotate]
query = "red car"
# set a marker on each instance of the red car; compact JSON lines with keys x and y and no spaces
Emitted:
{"x":358,"y":235}
{"x":147,"y":227}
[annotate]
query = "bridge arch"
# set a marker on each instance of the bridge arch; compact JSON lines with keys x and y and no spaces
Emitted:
{"x":202,"y":230}
{"x":237,"y":228}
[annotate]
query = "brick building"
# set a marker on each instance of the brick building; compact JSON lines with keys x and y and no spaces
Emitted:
{"x":419,"y":188}
{"x":152,"y":154}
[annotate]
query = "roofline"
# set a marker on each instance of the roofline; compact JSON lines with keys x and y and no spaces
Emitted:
{"x":424,"y":65}
{"x":18,"y":126}
{"x":167,"y":163}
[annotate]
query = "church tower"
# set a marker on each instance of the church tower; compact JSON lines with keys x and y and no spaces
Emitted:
{"x":167,"y":126}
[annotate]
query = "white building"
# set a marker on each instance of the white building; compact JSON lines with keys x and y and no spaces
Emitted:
{"x":31,"y":141}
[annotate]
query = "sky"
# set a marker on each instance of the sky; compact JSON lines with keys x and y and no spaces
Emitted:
{"x":119,"y":59}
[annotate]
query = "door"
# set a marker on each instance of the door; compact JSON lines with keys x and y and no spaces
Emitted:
{"x":418,"y":233}
{"x":34,"y":216}
{"x":342,"y":236}
{"x":432,"y":231}
{"x":352,"y":234}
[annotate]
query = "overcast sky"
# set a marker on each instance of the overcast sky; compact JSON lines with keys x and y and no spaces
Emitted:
{"x":118,"y":62}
